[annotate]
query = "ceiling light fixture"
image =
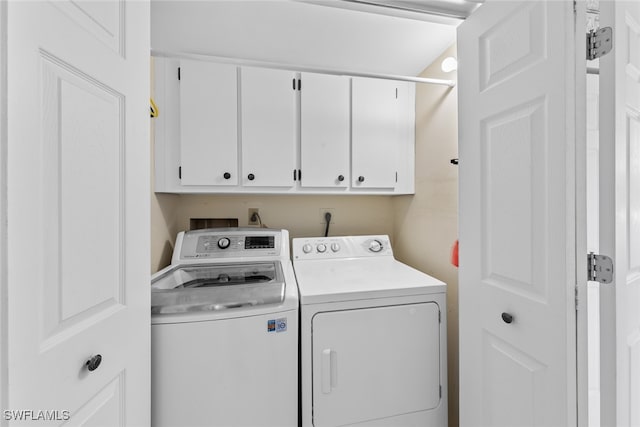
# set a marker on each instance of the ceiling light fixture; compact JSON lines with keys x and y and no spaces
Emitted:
{"x":449,"y":64}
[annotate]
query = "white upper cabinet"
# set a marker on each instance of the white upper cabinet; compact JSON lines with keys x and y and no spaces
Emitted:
{"x":324,"y":131}
{"x":223,"y":128}
{"x":208,"y":123}
{"x":268,"y":104}
{"x":376,"y":132}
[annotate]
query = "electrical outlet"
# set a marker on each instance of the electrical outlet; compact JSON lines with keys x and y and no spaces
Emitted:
{"x":323,"y":211}
{"x":252,"y":219}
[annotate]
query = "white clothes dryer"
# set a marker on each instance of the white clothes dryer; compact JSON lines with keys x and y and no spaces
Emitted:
{"x":224,"y":331}
{"x":373,"y":336}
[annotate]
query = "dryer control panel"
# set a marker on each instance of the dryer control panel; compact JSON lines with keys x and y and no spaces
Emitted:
{"x":341,"y":247}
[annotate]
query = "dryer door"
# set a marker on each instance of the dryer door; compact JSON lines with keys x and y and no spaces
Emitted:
{"x":375,"y":363}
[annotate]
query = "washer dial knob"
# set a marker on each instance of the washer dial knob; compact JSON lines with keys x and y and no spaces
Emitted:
{"x":375,"y":246}
{"x":322,"y":248}
{"x":224,"y":243}
{"x":307,"y":248}
{"x":335,"y":247}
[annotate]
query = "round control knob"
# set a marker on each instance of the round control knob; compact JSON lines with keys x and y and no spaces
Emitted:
{"x":335,"y":247}
{"x":251,"y":177}
{"x":375,"y":246}
{"x":340,"y":178}
{"x":322,"y":248}
{"x":227,"y":175}
{"x":361,"y":178}
{"x":307,"y":248}
{"x":224,"y":243}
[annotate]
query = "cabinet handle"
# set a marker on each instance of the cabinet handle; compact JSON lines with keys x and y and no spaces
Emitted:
{"x":226,"y":175}
{"x":508,"y":318}
{"x":340,"y":178}
{"x":251,"y":177}
{"x":361,"y":178}
{"x":93,"y":363}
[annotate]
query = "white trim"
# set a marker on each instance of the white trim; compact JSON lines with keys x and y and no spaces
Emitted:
{"x":4,"y":285}
{"x":299,"y":68}
{"x":580,"y":214}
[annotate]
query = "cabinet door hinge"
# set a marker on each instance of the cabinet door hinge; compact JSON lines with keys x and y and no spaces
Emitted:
{"x":294,"y":84}
{"x":599,"y":42}
{"x":440,"y":392}
{"x":299,"y":84}
{"x":295,"y":174}
{"x":439,"y":316}
{"x":396,"y":176}
{"x":599,"y":268}
{"x":299,"y":174}
{"x":179,"y":172}
{"x":178,"y":73}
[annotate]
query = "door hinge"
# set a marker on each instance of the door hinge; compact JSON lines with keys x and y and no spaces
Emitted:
{"x":599,"y":268}
{"x":439,"y":316}
{"x":179,"y":172}
{"x":440,"y":392}
{"x":178,"y":73}
{"x":599,"y":42}
{"x":299,"y":84}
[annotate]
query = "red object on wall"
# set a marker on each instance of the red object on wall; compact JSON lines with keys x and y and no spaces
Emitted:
{"x":454,"y":254}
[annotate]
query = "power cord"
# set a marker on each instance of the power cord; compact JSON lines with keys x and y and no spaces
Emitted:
{"x":327,"y":218}
{"x":256,"y":217}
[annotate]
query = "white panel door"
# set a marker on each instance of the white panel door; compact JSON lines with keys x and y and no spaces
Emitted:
{"x":620,"y":214}
{"x":375,"y":363}
{"x":324,"y":130}
{"x":78,"y":211}
{"x":517,"y":218}
{"x":268,"y":104}
{"x":208,"y":123}
{"x":375,"y":133}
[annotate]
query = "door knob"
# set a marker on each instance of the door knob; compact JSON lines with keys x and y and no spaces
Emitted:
{"x":340,"y":178}
{"x":361,"y":178}
{"x":508,"y":318}
{"x":251,"y":177}
{"x":93,"y":363}
{"x":226,"y":175}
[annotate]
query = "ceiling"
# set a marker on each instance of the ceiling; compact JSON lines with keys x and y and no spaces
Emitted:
{"x":342,"y":35}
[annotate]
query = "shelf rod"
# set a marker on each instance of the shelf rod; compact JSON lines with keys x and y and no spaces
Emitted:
{"x":299,"y":68}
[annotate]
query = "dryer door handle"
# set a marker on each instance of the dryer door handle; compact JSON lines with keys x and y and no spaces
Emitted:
{"x":329,"y":370}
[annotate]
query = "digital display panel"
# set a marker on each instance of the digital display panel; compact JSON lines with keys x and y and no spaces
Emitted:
{"x":259,"y":242}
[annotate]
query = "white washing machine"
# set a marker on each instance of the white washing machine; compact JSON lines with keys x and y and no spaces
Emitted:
{"x":373,"y":336}
{"x":224,"y":331}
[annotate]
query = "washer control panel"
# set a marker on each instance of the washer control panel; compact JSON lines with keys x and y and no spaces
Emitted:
{"x":229,"y":243}
{"x":341,"y":247}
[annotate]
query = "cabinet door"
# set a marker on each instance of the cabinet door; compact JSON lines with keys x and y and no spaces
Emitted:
{"x":208,"y":123}
{"x":324,"y":133}
{"x":268,"y":127}
{"x":392,"y":368}
{"x":375,"y":133}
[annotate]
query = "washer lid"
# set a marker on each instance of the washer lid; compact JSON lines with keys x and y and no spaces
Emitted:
{"x":352,"y":279}
{"x":210,"y":287}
